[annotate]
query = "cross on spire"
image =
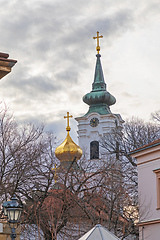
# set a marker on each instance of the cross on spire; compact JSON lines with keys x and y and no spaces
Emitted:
{"x":55,"y":173}
{"x":98,"y":47}
{"x":68,"y":127}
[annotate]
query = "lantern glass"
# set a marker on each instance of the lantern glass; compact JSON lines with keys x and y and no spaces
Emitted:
{"x":5,"y":211}
{"x":5,"y":205}
{"x":14,"y":214}
{"x":11,"y":214}
{"x":17,"y":214}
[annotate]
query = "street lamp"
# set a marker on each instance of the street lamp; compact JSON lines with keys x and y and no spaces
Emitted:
{"x":13,"y":211}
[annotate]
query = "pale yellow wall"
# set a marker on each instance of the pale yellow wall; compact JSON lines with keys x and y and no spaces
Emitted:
{"x":5,"y":235}
{"x":148,"y":160}
{"x":150,"y":232}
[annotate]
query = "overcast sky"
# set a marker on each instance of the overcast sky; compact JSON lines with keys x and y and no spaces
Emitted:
{"x":53,"y":43}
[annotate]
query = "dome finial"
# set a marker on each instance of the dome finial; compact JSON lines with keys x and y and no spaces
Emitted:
{"x":68,"y":127}
{"x":98,"y":47}
{"x":68,"y":151}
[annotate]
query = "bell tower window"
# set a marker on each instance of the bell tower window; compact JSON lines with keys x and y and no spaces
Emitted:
{"x":94,"y":150}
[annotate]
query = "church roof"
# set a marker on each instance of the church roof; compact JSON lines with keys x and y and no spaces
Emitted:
{"x":99,"y":99}
{"x":146,"y":146}
{"x":68,"y":150}
{"x":5,"y":64}
{"x":98,"y":233}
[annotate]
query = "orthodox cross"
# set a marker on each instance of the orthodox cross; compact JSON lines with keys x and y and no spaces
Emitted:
{"x":55,"y":173}
{"x":68,"y":127}
{"x":98,"y":47}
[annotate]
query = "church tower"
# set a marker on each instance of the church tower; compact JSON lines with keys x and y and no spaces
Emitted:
{"x":99,"y":120}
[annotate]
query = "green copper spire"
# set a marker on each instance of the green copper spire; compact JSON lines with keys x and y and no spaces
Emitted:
{"x":98,"y":84}
{"x":99,"y":99}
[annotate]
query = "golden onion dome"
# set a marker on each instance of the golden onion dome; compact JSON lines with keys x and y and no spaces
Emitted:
{"x":68,"y":150}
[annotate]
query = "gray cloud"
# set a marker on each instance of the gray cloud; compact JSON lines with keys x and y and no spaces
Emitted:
{"x":52,"y":41}
{"x":126,"y":95}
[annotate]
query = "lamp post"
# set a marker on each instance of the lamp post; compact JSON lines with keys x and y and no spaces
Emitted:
{"x":13,"y":211}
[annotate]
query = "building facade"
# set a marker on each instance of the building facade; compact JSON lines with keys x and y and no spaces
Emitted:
{"x":148,"y":162}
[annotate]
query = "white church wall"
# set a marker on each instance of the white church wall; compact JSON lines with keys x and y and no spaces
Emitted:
{"x":87,"y":133}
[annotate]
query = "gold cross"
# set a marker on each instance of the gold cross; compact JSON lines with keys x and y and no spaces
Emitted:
{"x":98,"y":47}
{"x":68,"y":127}
{"x":55,"y":173}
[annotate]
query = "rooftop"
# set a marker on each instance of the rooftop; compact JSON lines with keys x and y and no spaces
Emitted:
{"x":5,"y":64}
{"x":147,"y":146}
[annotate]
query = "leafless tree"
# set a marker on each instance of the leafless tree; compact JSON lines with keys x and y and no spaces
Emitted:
{"x":119,"y":143}
{"x":80,"y":199}
{"x":156,"y":116}
{"x":82,"y":196}
{"x":135,"y":133}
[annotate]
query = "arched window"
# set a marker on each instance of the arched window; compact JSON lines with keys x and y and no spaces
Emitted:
{"x":94,"y":150}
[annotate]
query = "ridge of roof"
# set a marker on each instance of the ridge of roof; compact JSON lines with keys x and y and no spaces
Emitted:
{"x":146,"y":146}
